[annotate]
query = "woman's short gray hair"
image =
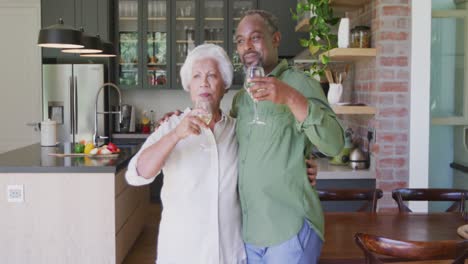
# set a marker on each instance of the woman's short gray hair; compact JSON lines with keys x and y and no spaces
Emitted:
{"x":207,"y":51}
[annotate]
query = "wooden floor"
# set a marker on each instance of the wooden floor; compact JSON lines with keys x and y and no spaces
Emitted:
{"x":144,"y":249}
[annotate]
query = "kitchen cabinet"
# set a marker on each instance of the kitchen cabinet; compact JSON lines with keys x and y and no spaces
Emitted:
{"x":155,"y":37}
{"x":92,"y":15}
{"x":343,"y":177}
{"x":289,"y":46}
{"x":194,"y":23}
{"x":142,"y":35}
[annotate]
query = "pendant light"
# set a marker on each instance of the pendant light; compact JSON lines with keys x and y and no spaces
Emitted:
{"x":59,"y":36}
{"x":107,"y":47}
{"x":107,"y":51}
{"x":91,"y":44}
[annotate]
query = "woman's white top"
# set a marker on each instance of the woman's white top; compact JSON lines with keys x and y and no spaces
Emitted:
{"x":201,"y":217}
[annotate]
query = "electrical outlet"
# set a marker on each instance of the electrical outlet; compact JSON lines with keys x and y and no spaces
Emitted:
{"x":371,"y":135}
{"x":15,"y":193}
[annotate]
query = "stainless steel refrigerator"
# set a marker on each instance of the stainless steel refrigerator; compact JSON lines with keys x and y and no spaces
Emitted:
{"x":69,"y":95}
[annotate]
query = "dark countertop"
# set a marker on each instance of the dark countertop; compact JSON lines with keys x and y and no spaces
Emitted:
{"x":36,"y":159}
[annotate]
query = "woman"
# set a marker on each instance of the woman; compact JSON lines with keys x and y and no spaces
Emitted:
{"x":201,"y":220}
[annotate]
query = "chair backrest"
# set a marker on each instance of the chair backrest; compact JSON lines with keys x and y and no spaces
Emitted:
{"x":369,"y":195}
{"x":378,"y":249}
{"x":457,"y":196}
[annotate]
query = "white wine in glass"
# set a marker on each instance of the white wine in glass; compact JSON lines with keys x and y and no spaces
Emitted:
{"x":252,"y":72}
{"x":204,"y":111}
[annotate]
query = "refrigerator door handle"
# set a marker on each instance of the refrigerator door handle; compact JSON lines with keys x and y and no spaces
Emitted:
{"x":72,"y":107}
{"x":76,"y":105}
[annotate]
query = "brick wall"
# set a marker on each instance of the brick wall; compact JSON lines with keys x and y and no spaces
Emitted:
{"x":384,"y":82}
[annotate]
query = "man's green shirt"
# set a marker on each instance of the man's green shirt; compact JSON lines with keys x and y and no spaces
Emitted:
{"x":274,"y":190}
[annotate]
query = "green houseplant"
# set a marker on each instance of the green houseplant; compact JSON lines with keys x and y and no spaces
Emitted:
{"x":321,"y":38}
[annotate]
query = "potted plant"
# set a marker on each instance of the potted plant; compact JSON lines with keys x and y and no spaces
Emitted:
{"x":321,"y":38}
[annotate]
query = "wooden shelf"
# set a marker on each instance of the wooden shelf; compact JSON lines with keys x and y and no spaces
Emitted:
{"x":348,"y":5}
{"x":354,"y":110}
{"x":350,"y":54}
{"x":339,"y":7}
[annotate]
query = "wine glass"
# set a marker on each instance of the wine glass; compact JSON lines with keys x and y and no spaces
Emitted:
{"x":252,"y":72}
{"x":203,"y":109}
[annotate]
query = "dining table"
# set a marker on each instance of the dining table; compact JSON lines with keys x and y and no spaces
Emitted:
{"x":340,"y":227}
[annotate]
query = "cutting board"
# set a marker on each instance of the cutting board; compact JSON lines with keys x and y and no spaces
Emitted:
{"x":62,"y":155}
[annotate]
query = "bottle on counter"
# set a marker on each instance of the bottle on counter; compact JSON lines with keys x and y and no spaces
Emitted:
{"x":145,"y":123}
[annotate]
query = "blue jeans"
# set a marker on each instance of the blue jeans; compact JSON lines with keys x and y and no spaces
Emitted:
{"x":303,"y":248}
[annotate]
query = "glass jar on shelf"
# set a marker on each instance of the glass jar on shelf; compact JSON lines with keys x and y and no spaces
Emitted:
{"x":360,"y":37}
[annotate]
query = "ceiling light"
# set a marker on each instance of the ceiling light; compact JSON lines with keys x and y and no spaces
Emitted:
{"x":91,"y":44}
{"x":59,"y":36}
{"x":107,"y":51}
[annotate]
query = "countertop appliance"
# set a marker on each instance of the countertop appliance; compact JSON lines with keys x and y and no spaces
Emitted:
{"x":128,"y":120}
{"x":69,"y":93}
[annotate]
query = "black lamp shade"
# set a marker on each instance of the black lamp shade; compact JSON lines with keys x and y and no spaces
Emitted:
{"x":107,"y":51}
{"x":91,"y":45}
{"x":59,"y":36}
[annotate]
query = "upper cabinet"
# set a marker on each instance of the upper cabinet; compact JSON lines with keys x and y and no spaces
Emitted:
{"x":143,"y":49}
{"x":197,"y":22}
{"x":92,"y":15}
{"x":155,"y":36}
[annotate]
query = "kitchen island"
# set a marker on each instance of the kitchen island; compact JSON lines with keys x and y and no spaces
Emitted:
{"x":68,"y":209}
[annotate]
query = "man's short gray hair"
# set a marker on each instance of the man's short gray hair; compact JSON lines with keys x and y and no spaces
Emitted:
{"x":270,"y":20}
{"x":207,"y":51}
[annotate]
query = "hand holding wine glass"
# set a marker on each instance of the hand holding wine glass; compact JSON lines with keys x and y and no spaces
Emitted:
{"x":203,"y":110}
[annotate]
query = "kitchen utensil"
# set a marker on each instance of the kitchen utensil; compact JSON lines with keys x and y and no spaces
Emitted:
{"x":48,"y":133}
{"x":128,"y":119}
{"x":358,"y":160}
{"x":343,"y":157}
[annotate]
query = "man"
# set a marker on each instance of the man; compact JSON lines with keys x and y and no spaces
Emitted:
{"x":282,"y":217}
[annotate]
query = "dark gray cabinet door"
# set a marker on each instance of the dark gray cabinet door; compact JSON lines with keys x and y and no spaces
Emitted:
{"x":289,"y":46}
{"x":92,"y":15}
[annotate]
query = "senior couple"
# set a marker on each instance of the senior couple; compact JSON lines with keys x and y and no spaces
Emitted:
{"x":236,"y":192}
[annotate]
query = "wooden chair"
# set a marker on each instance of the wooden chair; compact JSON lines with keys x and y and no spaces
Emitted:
{"x":457,"y":196}
{"x":369,"y":195}
{"x":382,"y":250}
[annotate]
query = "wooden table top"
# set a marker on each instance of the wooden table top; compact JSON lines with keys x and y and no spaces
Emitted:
{"x":339,"y":246}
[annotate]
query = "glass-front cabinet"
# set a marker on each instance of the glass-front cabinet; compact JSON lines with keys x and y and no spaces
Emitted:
{"x":196,"y":22}
{"x":155,"y":37}
{"x":238,"y":8}
{"x":143,"y":43}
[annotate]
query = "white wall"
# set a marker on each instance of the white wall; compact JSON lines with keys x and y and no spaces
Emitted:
{"x":163,"y":101}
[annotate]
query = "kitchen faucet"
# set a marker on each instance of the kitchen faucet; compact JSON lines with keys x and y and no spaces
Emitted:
{"x":96,"y":137}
